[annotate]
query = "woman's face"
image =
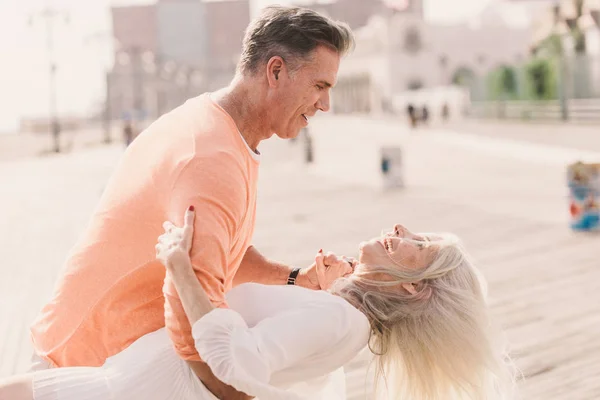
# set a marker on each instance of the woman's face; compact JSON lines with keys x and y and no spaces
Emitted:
{"x":401,"y":246}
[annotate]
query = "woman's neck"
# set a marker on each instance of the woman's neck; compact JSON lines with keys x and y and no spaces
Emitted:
{"x":338,"y":290}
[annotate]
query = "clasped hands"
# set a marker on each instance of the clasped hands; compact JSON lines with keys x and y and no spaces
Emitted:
{"x":174,"y":245}
{"x":327,"y":268}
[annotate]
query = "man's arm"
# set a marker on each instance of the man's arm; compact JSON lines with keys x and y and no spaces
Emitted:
{"x":212,"y":186}
{"x":257,"y":268}
{"x":215,"y":186}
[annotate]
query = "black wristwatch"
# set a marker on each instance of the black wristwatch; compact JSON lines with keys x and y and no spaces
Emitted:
{"x":293,"y":275}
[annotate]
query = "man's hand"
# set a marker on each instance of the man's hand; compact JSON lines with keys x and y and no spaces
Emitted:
{"x":326,"y":269}
{"x":256,"y":268}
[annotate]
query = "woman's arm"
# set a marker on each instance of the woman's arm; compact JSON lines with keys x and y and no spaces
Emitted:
{"x":173,"y":250}
{"x":319,"y":334}
{"x":193,"y":297}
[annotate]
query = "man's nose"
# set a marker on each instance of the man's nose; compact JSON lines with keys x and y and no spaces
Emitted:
{"x":323,"y":103}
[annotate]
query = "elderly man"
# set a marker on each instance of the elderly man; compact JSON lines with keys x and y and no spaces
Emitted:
{"x":204,"y":154}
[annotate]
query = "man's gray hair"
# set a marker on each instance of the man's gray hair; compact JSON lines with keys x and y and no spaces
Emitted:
{"x":292,"y":33}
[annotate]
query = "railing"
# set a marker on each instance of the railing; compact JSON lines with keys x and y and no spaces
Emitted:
{"x":574,"y":110}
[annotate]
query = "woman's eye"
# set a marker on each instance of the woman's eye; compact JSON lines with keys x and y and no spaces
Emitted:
{"x":423,"y":243}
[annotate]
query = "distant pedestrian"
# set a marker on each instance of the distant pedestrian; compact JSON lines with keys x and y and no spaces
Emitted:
{"x":445,"y":112}
{"x":308,"y":146}
{"x":412,"y":115}
{"x":425,"y":114}
{"x":128,"y":132}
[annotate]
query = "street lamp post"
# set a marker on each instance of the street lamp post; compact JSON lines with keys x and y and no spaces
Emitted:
{"x":50,"y":15}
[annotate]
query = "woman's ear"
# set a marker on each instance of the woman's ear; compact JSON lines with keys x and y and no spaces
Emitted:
{"x":421,"y":289}
{"x":410,"y":288}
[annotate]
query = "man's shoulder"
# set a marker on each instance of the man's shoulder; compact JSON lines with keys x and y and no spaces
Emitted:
{"x":204,"y":116}
{"x":196,"y":132}
{"x":198,"y":114}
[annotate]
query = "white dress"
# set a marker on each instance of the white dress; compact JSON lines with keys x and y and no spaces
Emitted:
{"x":274,"y":343}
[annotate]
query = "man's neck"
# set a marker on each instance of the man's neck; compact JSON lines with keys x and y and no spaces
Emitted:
{"x":237,"y":100}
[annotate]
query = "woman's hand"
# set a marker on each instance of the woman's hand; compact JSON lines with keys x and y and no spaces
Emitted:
{"x":174,"y":245}
{"x":331,"y":267}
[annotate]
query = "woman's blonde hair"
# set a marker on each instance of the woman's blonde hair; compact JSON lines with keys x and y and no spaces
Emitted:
{"x":439,"y":342}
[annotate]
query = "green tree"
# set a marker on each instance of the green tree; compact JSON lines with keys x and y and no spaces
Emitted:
{"x":553,"y":45}
{"x":508,"y":81}
{"x":463,"y":76}
{"x":502,"y":83}
{"x":541,"y":78}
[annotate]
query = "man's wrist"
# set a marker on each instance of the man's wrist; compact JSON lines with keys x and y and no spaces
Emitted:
{"x":305,"y":280}
{"x":293,"y":276}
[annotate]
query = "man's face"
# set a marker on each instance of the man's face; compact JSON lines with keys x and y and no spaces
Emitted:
{"x":298,"y":96}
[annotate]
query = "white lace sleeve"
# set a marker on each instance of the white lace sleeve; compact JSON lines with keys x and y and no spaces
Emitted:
{"x":245,"y":358}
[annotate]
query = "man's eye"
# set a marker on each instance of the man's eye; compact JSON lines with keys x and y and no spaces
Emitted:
{"x":320,"y":87}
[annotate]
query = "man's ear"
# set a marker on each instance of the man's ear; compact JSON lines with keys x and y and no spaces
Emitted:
{"x":275,"y":67}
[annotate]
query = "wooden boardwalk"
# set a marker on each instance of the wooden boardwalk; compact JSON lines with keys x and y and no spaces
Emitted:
{"x":544,"y":280}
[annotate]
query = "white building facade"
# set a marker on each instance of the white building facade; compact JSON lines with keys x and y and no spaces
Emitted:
{"x":399,"y":55}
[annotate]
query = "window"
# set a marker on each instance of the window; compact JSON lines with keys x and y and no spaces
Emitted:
{"x":412,"y":41}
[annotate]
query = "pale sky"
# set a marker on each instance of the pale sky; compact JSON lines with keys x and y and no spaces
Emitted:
{"x":83,"y":52}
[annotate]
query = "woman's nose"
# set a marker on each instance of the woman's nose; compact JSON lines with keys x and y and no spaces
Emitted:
{"x":399,"y":230}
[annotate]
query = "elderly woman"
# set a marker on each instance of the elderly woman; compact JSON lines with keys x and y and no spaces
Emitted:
{"x":416,"y":301}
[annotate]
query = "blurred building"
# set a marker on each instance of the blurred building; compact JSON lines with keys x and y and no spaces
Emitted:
{"x":398,"y":51}
{"x":171,"y":50}
{"x":358,"y":12}
{"x":175,"y":49}
{"x":135,"y":26}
